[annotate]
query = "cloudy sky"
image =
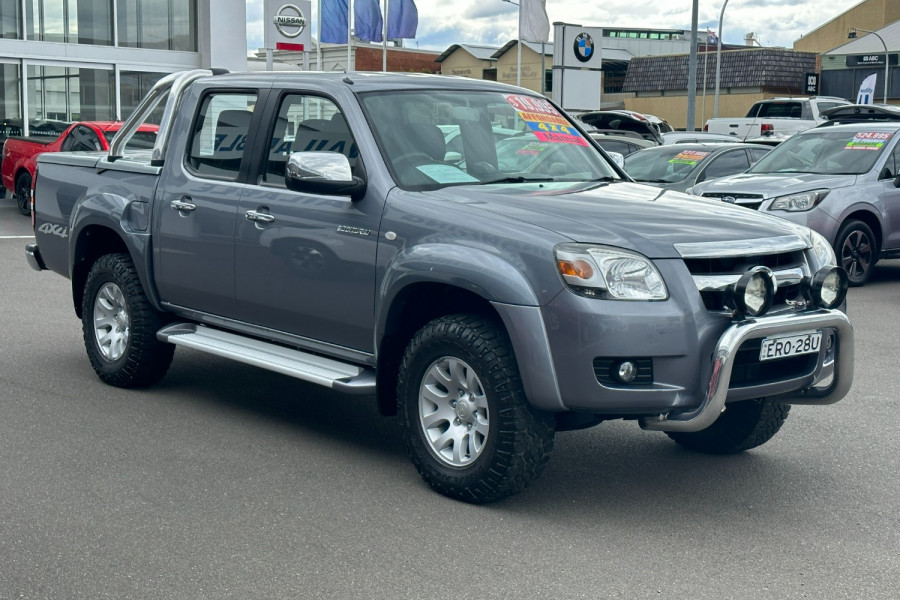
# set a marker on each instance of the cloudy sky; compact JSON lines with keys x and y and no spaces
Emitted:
{"x":494,"y":22}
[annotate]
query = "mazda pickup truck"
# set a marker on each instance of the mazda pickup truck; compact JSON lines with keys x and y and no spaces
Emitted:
{"x":316,"y":225}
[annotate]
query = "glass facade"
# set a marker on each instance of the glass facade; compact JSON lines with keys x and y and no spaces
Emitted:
{"x":159,"y":24}
{"x":56,"y":93}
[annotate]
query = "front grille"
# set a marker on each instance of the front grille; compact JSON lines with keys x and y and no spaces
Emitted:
{"x":748,"y":370}
{"x":752,"y":201}
{"x":715,"y":277}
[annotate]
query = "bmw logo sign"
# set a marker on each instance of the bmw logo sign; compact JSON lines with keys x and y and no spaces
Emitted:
{"x":584,"y":47}
{"x":289,"y":21}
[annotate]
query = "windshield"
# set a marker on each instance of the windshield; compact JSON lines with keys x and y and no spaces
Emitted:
{"x":827,"y":152}
{"x":432,"y":139}
{"x":667,"y":164}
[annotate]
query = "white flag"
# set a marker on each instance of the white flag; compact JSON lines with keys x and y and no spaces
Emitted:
{"x":866,"y":94}
{"x":534,"y":25}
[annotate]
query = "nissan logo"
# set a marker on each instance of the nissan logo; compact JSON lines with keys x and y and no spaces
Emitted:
{"x":289,"y":21}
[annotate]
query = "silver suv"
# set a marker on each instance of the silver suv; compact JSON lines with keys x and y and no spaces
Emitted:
{"x":841,"y":181}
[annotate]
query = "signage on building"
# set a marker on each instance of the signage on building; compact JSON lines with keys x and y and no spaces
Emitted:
{"x":870,"y":60}
{"x":288,"y":25}
{"x":811,"y":84}
{"x":577,"y":64}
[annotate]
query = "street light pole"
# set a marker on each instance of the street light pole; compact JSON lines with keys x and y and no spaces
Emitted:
{"x":852,"y":35}
{"x":719,"y":60}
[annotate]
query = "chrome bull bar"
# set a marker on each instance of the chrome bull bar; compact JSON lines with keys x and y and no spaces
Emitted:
{"x":723,"y":361}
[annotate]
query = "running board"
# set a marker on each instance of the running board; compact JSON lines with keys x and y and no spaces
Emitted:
{"x":339,"y":376}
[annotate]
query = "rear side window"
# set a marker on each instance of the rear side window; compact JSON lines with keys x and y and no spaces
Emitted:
{"x":781,"y":109}
{"x":219,"y":139}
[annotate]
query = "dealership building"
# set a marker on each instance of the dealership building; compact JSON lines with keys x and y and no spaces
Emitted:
{"x":68,"y":60}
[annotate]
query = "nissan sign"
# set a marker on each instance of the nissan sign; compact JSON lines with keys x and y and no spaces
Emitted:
{"x":287,"y":23}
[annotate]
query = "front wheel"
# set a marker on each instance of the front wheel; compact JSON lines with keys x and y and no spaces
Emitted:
{"x":857,"y":251}
{"x":743,"y":425}
{"x":23,"y":193}
{"x":469,"y":429}
{"x":120,"y":325}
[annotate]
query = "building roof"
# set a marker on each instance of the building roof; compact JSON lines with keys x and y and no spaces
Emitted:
{"x":479,"y":52}
{"x":752,"y":67}
{"x":869,"y":44}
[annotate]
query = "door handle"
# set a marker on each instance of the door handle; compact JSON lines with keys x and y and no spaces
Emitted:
{"x":183,"y":204}
{"x":258,"y":217}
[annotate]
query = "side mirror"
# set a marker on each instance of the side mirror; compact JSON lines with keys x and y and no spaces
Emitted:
{"x":323,"y":173}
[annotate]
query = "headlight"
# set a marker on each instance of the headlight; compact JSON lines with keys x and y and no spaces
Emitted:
{"x":822,"y":251}
{"x":611,"y":273}
{"x":799,"y":202}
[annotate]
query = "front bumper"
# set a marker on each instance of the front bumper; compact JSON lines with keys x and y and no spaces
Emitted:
{"x":831,"y":381}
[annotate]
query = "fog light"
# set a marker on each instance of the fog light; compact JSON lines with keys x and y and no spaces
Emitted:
{"x":627,"y":371}
{"x":829,"y":287}
{"x":753,"y":293}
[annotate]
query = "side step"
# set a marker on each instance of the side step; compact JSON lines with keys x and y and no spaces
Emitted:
{"x":340,"y":376}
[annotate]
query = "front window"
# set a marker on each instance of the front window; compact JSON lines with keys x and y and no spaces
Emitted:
{"x":826,"y":152}
{"x":493,"y":137}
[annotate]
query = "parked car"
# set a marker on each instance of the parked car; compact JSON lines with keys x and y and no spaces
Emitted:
{"x":777,"y":118}
{"x":488,"y":304}
{"x":19,"y":154}
{"x":695,"y":137}
{"x":623,"y":144}
{"x":856,"y":113}
{"x":842,"y":181}
{"x":680,"y":166}
{"x":647,"y":126}
{"x":453,"y":141}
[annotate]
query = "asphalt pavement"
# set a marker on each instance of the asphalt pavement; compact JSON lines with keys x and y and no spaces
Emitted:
{"x":224,"y":481}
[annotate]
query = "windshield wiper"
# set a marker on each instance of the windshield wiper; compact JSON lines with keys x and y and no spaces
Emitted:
{"x":518,"y":179}
{"x":653,"y":181}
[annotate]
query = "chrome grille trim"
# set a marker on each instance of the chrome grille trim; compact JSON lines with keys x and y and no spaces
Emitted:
{"x":720,"y":283}
{"x":731,"y":248}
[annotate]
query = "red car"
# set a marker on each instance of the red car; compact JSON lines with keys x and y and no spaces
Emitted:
{"x":19,"y":155}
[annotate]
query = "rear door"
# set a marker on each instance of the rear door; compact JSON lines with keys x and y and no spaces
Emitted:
{"x":194,"y":235}
{"x":305,"y":263}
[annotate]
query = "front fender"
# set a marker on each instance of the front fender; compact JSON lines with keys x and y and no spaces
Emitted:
{"x":497,"y":281}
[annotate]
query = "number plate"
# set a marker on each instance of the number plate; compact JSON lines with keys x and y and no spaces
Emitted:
{"x":793,"y":344}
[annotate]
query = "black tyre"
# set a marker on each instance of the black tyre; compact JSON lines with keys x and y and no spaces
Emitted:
{"x":120,"y":326}
{"x":23,"y":193}
{"x":857,"y":251}
{"x":469,"y":429}
{"x":742,"y":426}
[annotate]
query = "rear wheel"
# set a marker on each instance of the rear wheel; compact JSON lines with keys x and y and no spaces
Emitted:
{"x":23,"y":193}
{"x":120,"y":325}
{"x":743,"y":425}
{"x":857,"y":251}
{"x":469,"y":429}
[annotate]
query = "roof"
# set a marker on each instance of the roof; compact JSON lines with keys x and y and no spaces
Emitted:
{"x":869,"y":44}
{"x":479,"y":52}
{"x":751,"y":67}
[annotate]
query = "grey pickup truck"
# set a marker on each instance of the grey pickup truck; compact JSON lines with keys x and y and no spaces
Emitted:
{"x":458,"y":250}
